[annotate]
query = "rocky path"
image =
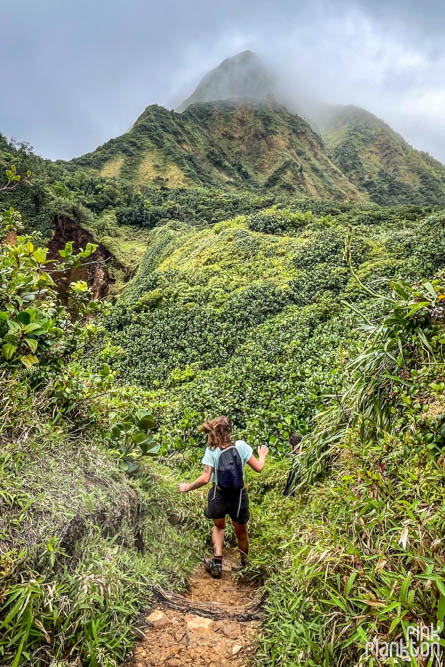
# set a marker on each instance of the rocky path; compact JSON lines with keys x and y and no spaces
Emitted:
{"x":212,"y":625}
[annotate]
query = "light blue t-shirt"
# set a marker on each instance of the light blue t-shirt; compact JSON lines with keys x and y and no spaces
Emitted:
{"x":211,"y":457}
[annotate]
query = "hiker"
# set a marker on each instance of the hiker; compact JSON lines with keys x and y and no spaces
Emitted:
{"x":294,"y":441}
{"x":224,"y":463}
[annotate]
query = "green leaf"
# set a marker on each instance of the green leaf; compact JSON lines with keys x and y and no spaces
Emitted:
{"x":116,"y":431}
{"x":397,"y":287}
{"x":40,"y":255}
{"x":32,"y":344}
{"x":424,"y":339}
{"x":417,"y":306}
{"x":8,"y":351}
{"x":90,"y":248}
{"x":430,"y":289}
{"x":441,"y":608}
{"x":337,"y":602}
{"x":11,"y":338}
{"x":13,"y":326}
{"x":79,"y":287}
{"x":350,"y":583}
{"x":152,"y":451}
{"x":28,"y":360}
{"x":394,"y":623}
{"x":24,"y":317}
{"x":404,"y":589}
{"x":146,"y":422}
{"x":396,"y":378}
{"x":130,"y":466}
{"x":33,"y":326}
{"x":362,"y":633}
{"x":440,"y":585}
{"x":139,"y":437}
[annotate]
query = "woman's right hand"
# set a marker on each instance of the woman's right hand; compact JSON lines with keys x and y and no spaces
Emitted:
{"x":263,"y":451}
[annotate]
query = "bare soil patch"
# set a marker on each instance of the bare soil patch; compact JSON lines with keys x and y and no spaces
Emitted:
{"x":214,"y":624}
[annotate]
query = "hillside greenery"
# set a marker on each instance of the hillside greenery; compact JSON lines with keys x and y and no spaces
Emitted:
{"x":328,"y":325}
{"x":287,"y":313}
{"x":259,"y":313}
{"x":378,"y":160}
{"x":360,"y":556}
{"x":222,"y":144}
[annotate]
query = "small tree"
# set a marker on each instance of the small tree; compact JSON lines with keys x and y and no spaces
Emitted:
{"x":34,"y":327}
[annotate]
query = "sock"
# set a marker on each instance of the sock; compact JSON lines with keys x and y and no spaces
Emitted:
{"x":217,"y":559}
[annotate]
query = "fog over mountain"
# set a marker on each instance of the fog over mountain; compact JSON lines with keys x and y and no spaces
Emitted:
{"x":83,"y":72}
{"x":242,"y":76}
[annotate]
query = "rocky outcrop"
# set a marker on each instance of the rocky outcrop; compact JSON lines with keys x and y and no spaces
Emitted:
{"x":95,"y":271}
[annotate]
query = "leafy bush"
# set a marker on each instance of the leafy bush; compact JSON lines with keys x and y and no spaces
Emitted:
{"x":278,"y":221}
{"x":34,"y":328}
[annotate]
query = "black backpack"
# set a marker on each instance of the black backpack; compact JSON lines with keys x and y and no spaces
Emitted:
{"x":230,"y":469}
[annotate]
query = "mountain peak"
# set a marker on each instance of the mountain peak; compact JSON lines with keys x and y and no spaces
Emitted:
{"x":242,"y":77}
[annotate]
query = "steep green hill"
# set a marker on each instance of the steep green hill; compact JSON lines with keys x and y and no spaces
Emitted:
{"x":372,"y":156}
{"x":226,"y":144}
{"x":233,"y":135}
{"x":244,"y":317}
{"x":378,"y":160}
{"x":248,"y":144}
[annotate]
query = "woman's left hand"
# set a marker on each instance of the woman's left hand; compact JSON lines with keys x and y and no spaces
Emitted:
{"x":182,"y":488}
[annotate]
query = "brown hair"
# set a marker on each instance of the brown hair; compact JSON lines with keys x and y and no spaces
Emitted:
{"x":219,"y":432}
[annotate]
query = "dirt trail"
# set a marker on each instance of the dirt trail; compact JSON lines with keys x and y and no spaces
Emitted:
{"x":212,"y":625}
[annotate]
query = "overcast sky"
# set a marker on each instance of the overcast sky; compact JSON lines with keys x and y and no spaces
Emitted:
{"x":77,"y":72}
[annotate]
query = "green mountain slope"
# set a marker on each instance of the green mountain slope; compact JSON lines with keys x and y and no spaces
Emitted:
{"x":372,"y":156}
{"x":378,"y":160}
{"x":223,"y":144}
{"x":257,"y":302}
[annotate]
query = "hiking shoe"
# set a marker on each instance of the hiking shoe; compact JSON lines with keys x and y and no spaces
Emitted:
{"x":213,"y":567}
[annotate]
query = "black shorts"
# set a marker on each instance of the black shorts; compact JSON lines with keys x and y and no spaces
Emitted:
{"x":220,"y":503}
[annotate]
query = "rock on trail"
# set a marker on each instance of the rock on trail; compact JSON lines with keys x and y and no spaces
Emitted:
{"x":213,"y":625}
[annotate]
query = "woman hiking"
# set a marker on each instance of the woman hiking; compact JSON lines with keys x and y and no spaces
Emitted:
{"x":224,"y":462}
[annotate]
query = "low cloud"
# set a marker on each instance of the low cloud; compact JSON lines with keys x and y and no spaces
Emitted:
{"x":77,"y":73}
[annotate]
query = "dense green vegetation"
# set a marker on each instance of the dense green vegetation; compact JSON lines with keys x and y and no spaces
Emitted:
{"x":378,"y":160}
{"x":241,"y":295}
{"x":363,"y":533}
{"x":268,"y":306}
{"x":259,"y":314}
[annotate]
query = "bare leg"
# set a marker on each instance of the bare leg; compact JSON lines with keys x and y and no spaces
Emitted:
{"x":218,"y":536}
{"x":242,"y":538}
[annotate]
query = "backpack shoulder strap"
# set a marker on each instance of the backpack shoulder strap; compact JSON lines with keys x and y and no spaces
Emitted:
{"x":227,"y":448}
